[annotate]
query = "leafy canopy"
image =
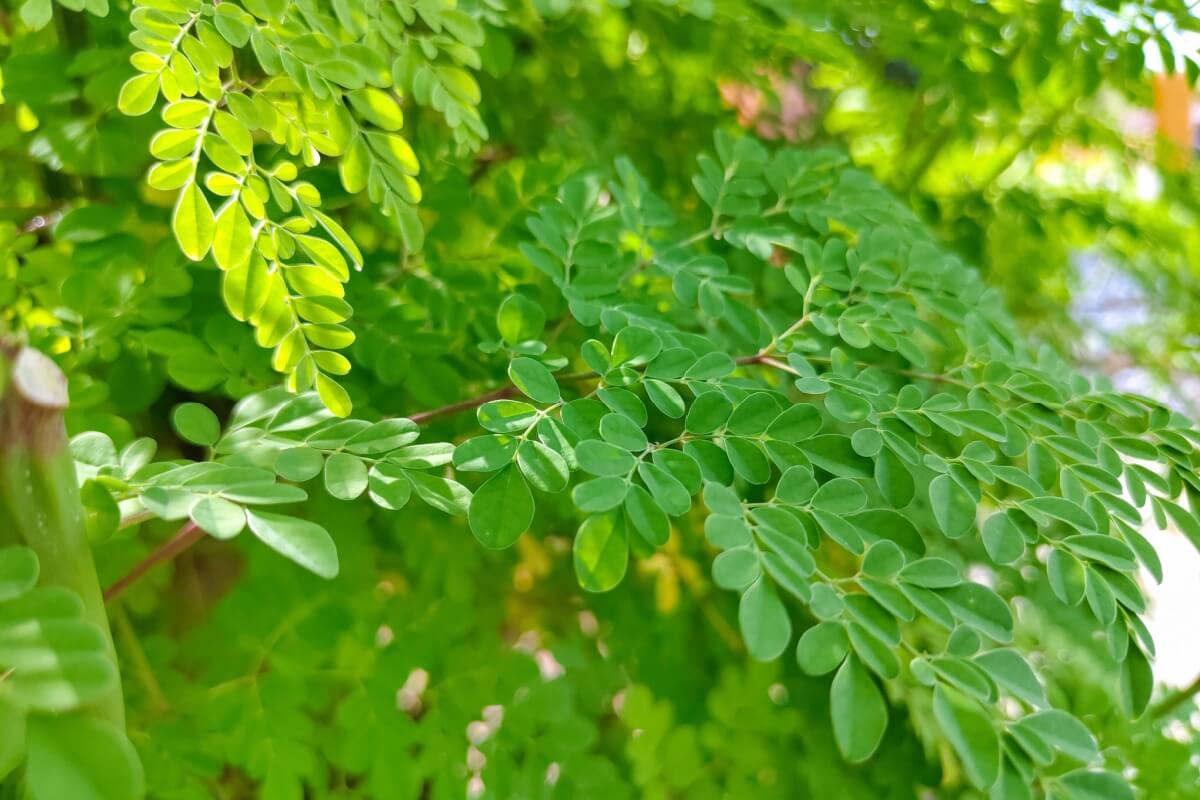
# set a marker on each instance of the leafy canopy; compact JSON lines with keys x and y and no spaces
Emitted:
{"x":702,"y":468}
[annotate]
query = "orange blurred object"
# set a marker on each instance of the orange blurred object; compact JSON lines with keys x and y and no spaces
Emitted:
{"x":1173,"y":107}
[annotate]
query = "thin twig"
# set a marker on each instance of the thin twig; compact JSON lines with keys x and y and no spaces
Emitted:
{"x":47,"y":219}
{"x":141,"y":665}
{"x":767,"y":361}
{"x":1175,"y":700}
{"x":187,"y":536}
{"x":464,"y":405}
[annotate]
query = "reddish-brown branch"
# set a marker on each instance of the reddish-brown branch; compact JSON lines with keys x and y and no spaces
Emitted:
{"x":187,"y":536}
{"x":766,"y":361}
{"x":464,"y":405}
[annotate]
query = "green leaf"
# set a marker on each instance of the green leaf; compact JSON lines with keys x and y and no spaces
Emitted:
{"x":383,"y":437}
{"x":883,"y":560}
{"x":520,"y":319}
{"x":302,"y":541}
{"x":982,"y":609}
{"x":764,"y":622}
{"x":665,"y":398}
{"x":894,"y":479}
{"x":835,"y":454}
{"x":333,"y":395}
{"x":748,"y":460}
{"x":18,"y":571}
{"x":232,"y":237}
{"x":971,"y":733}
{"x":196,"y":423}
{"x":388,"y":486}
{"x":736,"y":569}
{"x":953,"y":508}
{"x":666,"y":489}
{"x":1012,"y":672}
{"x":800,"y":422}
{"x":1061,"y":509}
{"x":534,"y":380}
{"x":625,"y":402}
{"x":601,"y":552}
{"x":682,"y":467}
{"x":1106,"y":550}
{"x":485,"y":453}
{"x":753,"y":415}
{"x":600,"y":494}
{"x":646,"y":517}
{"x":1066,"y":576}
{"x":1002,"y":539}
{"x":620,"y":430}
{"x":423,"y":456}
{"x":501,"y":510}
{"x":1188,"y":524}
{"x":80,"y":757}
{"x":634,"y":346}
{"x":193,"y":222}
{"x":603,"y":459}
{"x":708,"y":413}
{"x":1063,"y":732}
{"x":822,"y":648}
{"x":218,"y":517}
{"x":345,"y":476}
{"x":441,"y":493}
{"x":859,"y":712}
{"x":710,"y":366}
{"x":1137,"y":682}
{"x":1084,"y":784}
{"x":841,"y":530}
{"x":543,"y":467}
{"x":299,"y":464}
{"x":840,"y":496}
{"x":137,"y":94}
{"x":263,"y":494}
{"x":506,"y":416}
{"x":796,"y":486}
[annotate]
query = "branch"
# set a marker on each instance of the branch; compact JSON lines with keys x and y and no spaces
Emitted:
{"x":1175,"y":700}
{"x":187,"y":536}
{"x":46,"y":219}
{"x":464,"y":405}
{"x":767,"y":361}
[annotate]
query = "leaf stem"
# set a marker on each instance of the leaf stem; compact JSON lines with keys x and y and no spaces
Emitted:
{"x":1175,"y":700}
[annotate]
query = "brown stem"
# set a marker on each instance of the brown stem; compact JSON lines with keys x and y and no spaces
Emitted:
{"x":47,"y":219}
{"x":497,"y":394}
{"x":187,"y":536}
{"x":464,"y":405}
{"x":766,"y":361}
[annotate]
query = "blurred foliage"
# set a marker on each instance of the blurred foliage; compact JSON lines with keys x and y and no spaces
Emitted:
{"x":136,"y":247}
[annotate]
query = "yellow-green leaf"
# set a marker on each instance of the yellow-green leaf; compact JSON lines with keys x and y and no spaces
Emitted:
{"x":193,"y":222}
{"x":138,"y":94}
{"x":233,"y":239}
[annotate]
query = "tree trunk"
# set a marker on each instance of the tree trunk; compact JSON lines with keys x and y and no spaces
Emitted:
{"x":40,"y":506}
